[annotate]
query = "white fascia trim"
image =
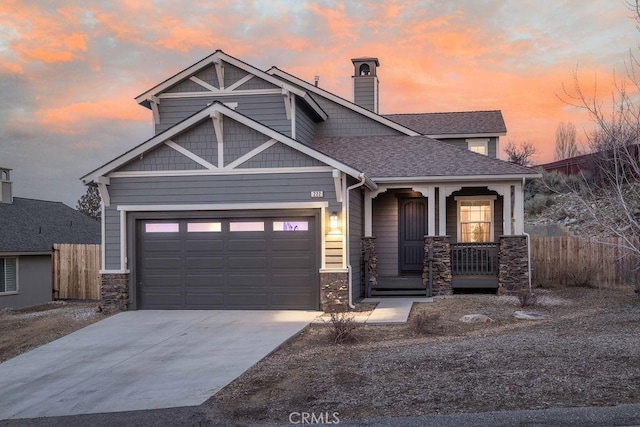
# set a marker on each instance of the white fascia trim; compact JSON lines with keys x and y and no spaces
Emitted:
{"x":454,"y":178}
{"x":200,"y":172}
{"x":466,"y":135}
{"x":123,"y":240}
{"x":225,"y":92}
{"x":114,"y":271}
{"x":189,"y":154}
{"x":240,"y":160}
{"x":223,"y":207}
{"x":240,"y":82}
{"x":333,"y":270}
{"x":311,"y":88}
{"x":204,"y":84}
{"x":103,"y":234}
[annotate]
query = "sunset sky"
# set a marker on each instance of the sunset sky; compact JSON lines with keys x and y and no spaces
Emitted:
{"x":69,"y":70}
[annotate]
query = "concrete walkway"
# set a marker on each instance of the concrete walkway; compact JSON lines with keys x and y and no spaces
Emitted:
{"x":142,"y":360}
{"x":392,"y":310}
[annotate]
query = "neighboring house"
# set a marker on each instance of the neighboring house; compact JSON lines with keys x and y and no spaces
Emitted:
{"x":28,"y":230}
{"x":260,"y":190}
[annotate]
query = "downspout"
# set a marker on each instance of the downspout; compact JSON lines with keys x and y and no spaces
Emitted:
{"x":363,"y":179}
{"x":528,"y":241}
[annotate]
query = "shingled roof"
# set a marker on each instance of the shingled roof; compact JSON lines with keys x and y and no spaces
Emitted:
{"x":413,"y":156}
{"x":455,"y":123}
{"x":30,"y":225}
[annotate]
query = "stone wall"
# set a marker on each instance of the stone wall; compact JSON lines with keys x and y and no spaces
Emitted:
{"x":370,"y":266}
{"x":513,"y":263}
{"x":334,"y":292}
{"x":441,"y":264}
{"x":114,"y":292}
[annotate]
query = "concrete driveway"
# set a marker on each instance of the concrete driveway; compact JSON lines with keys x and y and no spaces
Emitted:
{"x":142,"y":360}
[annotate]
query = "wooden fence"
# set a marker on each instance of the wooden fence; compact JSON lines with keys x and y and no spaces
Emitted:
{"x":76,"y":271}
{"x":559,"y":259}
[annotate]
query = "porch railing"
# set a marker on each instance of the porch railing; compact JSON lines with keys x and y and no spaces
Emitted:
{"x":474,"y":259}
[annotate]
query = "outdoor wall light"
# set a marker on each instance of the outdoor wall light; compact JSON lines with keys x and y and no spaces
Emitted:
{"x":333,"y":221}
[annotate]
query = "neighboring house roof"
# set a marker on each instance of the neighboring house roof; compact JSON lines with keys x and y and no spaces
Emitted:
{"x":461,"y":123}
{"x":30,"y":225}
{"x":383,"y":157}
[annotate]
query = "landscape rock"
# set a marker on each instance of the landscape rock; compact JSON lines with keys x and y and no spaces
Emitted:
{"x":528,"y":315}
{"x":476,"y":318}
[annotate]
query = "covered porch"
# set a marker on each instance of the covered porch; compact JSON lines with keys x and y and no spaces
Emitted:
{"x":429,"y":239}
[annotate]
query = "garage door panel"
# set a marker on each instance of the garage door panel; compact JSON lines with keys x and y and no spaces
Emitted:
{"x":205,"y":263}
{"x":210,"y":246}
{"x":225,"y":267}
{"x":248,"y":245}
{"x":247,"y":262}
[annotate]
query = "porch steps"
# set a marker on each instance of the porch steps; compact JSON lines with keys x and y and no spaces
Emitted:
{"x":399,"y":286}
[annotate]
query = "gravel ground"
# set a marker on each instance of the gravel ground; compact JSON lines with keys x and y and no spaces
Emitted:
{"x":586,"y":353}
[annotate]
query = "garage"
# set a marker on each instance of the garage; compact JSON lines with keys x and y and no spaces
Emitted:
{"x":217,"y":262}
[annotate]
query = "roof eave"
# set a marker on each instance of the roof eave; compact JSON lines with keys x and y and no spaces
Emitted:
{"x":466,"y":135}
{"x":455,"y":178}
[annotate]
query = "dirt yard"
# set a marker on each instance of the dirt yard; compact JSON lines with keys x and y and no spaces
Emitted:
{"x":24,"y":329}
{"x":586,"y":352}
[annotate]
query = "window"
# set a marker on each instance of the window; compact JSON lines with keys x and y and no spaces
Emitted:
{"x":204,"y":227}
{"x":8,"y":275}
{"x":162,"y":227}
{"x":290,"y":226}
{"x":475,"y":219}
{"x":480,"y":146}
{"x":246,"y":226}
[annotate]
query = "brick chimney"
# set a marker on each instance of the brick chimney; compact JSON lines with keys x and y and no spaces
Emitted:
{"x":365,"y":83}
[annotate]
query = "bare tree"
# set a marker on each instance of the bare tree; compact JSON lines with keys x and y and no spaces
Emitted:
{"x":566,"y":145}
{"x":612,"y":195}
{"x":521,"y":153}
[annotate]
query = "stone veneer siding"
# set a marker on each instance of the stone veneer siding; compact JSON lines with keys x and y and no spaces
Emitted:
{"x":334,"y":292}
{"x":513,"y":263}
{"x":441,"y":274}
{"x":114,"y":292}
{"x":370,"y":266}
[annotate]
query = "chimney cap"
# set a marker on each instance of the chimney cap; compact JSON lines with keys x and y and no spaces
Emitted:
{"x":366,"y":59}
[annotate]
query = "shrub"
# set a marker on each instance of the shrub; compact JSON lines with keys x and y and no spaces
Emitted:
{"x":538,"y":203}
{"x":526,"y":298}
{"x":344,"y":328}
{"x":426,"y":324}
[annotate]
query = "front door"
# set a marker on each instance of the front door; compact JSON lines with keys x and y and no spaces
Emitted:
{"x":412,"y":224}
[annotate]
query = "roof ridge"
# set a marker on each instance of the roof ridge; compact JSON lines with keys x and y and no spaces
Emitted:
{"x":442,"y":112}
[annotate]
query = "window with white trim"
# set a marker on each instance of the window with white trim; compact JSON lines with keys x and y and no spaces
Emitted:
{"x":475,"y":219}
{"x":479,"y":145}
{"x":8,"y":275}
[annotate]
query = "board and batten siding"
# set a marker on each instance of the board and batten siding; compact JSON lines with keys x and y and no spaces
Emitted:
{"x":364,"y":91}
{"x":268,"y":110}
{"x":356,"y":232}
{"x":385,"y":230}
{"x":216,"y":189}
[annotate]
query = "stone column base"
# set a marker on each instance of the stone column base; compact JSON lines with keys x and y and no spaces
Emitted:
{"x":440,"y":265}
{"x":334,"y":292}
{"x":513,"y":263}
{"x":370,"y":266}
{"x":114,"y":292}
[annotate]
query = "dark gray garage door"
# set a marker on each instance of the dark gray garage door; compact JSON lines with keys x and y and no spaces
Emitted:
{"x":227,"y":263}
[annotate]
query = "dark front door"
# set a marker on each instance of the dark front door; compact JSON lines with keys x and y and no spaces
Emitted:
{"x":412,"y":222}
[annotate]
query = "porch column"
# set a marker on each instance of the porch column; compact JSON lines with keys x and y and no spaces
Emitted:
{"x":368,"y":217}
{"x":442,"y":211}
{"x":431,"y":211}
{"x":506,"y":211}
{"x":519,"y":208}
{"x":438,"y":269}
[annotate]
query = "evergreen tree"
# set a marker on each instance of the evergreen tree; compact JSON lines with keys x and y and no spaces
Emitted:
{"x":89,"y":203}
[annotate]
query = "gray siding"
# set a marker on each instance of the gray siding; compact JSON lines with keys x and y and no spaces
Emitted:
{"x":281,"y":156}
{"x":274,"y":188}
{"x":356,"y":232}
{"x":385,"y":230}
{"x":162,"y":158}
{"x":268,"y":110}
{"x":345,"y":122}
{"x":452,"y":211}
{"x":364,"y":93}
{"x":462,"y":142}
{"x":305,"y":126}
{"x":34,"y":282}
